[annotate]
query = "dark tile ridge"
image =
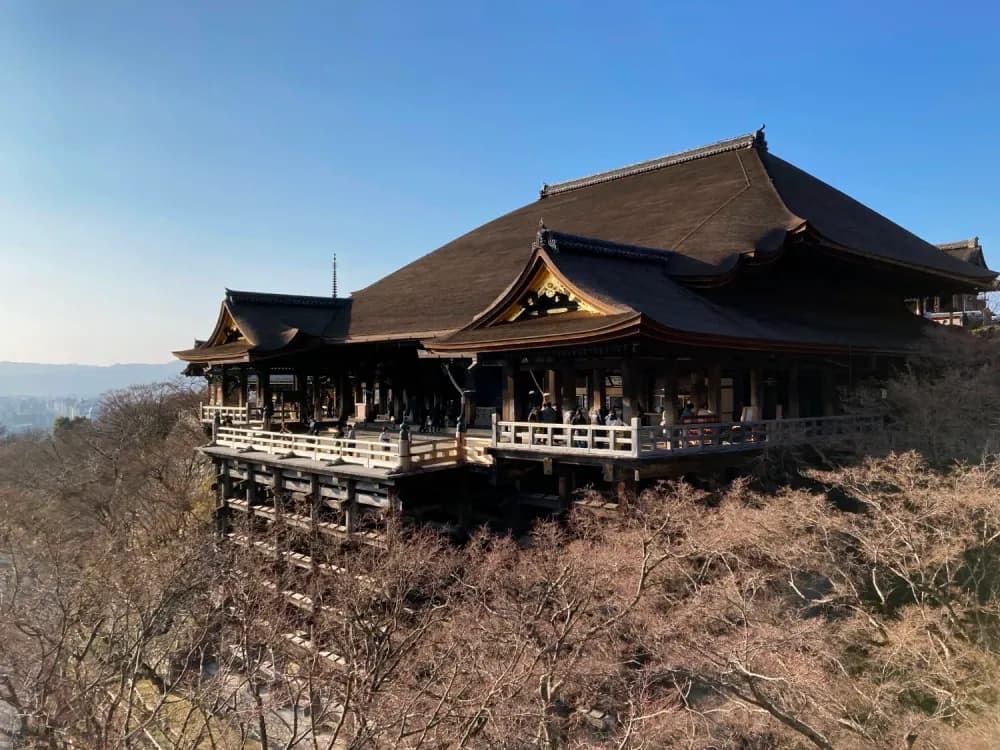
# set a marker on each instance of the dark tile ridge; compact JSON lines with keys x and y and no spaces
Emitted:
{"x":748,"y":140}
{"x":555,"y":242}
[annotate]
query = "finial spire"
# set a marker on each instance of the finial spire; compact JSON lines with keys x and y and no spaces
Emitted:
{"x":334,"y":284}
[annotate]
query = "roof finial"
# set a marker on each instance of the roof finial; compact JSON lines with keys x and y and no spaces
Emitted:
{"x":540,"y":234}
{"x":759,"y":141}
{"x":334,"y":284}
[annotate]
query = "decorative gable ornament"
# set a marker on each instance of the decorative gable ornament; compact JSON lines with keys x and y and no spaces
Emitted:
{"x":547,"y":296}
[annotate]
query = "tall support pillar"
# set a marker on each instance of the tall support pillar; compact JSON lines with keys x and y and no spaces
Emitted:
{"x":351,"y":507}
{"x":344,"y":403}
{"x":829,"y":394}
{"x":794,"y":400}
{"x":223,"y":390}
{"x":251,"y":498}
{"x":315,"y":502}
{"x":303,"y":395}
{"x":630,"y":390}
{"x":756,"y":382}
{"x":264,"y":395}
{"x":670,"y":410}
{"x":244,"y":386}
{"x":279,"y":531}
{"x":224,"y":493}
{"x":597,"y":395}
{"x":509,"y":391}
{"x":317,"y":398}
{"x":554,"y":387}
{"x":567,"y":394}
{"x":715,"y":388}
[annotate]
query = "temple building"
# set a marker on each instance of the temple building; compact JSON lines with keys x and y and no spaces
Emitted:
{"x":968,"y":309}
{"x":702,"y":302}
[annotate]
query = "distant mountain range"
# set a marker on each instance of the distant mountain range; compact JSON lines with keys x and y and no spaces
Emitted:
{"x":81,"y":381}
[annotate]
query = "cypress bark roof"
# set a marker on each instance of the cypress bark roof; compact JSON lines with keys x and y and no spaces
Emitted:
{"x":255,"y":324}
{"x":642,"y":296}
{"x":711,"y":205}
{"x":686,"y":219}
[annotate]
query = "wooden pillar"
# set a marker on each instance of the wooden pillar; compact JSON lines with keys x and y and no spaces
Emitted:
{"x":351,"y":507}
{"x":564,"y":486}
{"x":755,"y":385}
{"x":301,"y":389}
{"x":715,"y":387}
{"x":278,"y":531}
{"x":316,"y":498}
{"x":344,"y":394}
{"x":223,"y":391}
{"x":567,"y":395}
{"x":226,"y":481}
{"x":739,"y":392}
{"x":553,"y":387}
{"x":316,"y":501}
{"x":459,"y":443}
{"x":224,"y":492}
{"x":317,"y":398}
{"x":264,"y":392}
{"x":793,"y":409}
{"x":244,"y":387}
{"x":509,"y":391}
{"x":670,"y":393}
{"x":829,"y":393}
{"x":597,"y":388}
{"x":630,"y":376}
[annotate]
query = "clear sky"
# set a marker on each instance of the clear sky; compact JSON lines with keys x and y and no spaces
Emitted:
{"x":154,"y":153}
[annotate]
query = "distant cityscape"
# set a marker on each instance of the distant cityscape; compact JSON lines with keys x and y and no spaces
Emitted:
{"x":33,"y":396}
{"x":20,"y":414}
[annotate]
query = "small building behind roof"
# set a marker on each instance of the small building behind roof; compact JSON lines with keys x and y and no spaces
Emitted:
{"x":966,"y":309}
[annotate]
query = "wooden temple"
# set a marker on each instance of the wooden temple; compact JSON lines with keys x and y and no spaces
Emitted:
{"x":691,"y":308}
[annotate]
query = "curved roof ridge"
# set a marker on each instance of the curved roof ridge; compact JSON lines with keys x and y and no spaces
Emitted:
{"x":970,"y":243}
{"x":747,"y":140}
{"x":269,"y":298}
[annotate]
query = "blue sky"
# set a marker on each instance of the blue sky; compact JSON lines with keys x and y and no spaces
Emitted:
{"x":153,"y":153}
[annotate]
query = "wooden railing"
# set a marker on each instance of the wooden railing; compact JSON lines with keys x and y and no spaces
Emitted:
{"x":635,"y":441}
{"x":604,"y":441}
{"x":233,"y":414}
{"x":401,"y":455}
{"x":611,"y":441}
{"x":722,"y":436}
{"x":245,"y":414}
{"x":368,"y":453}
{"x":476,"y":450}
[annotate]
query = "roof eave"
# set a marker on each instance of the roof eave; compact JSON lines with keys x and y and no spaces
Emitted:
{"x":980,"y":283}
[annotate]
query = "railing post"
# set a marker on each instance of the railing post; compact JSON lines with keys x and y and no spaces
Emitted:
{"x":404,"y":451}
{"x":635,"y":436}
{"x":495,"y":434}
{"x":215,"y":428}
